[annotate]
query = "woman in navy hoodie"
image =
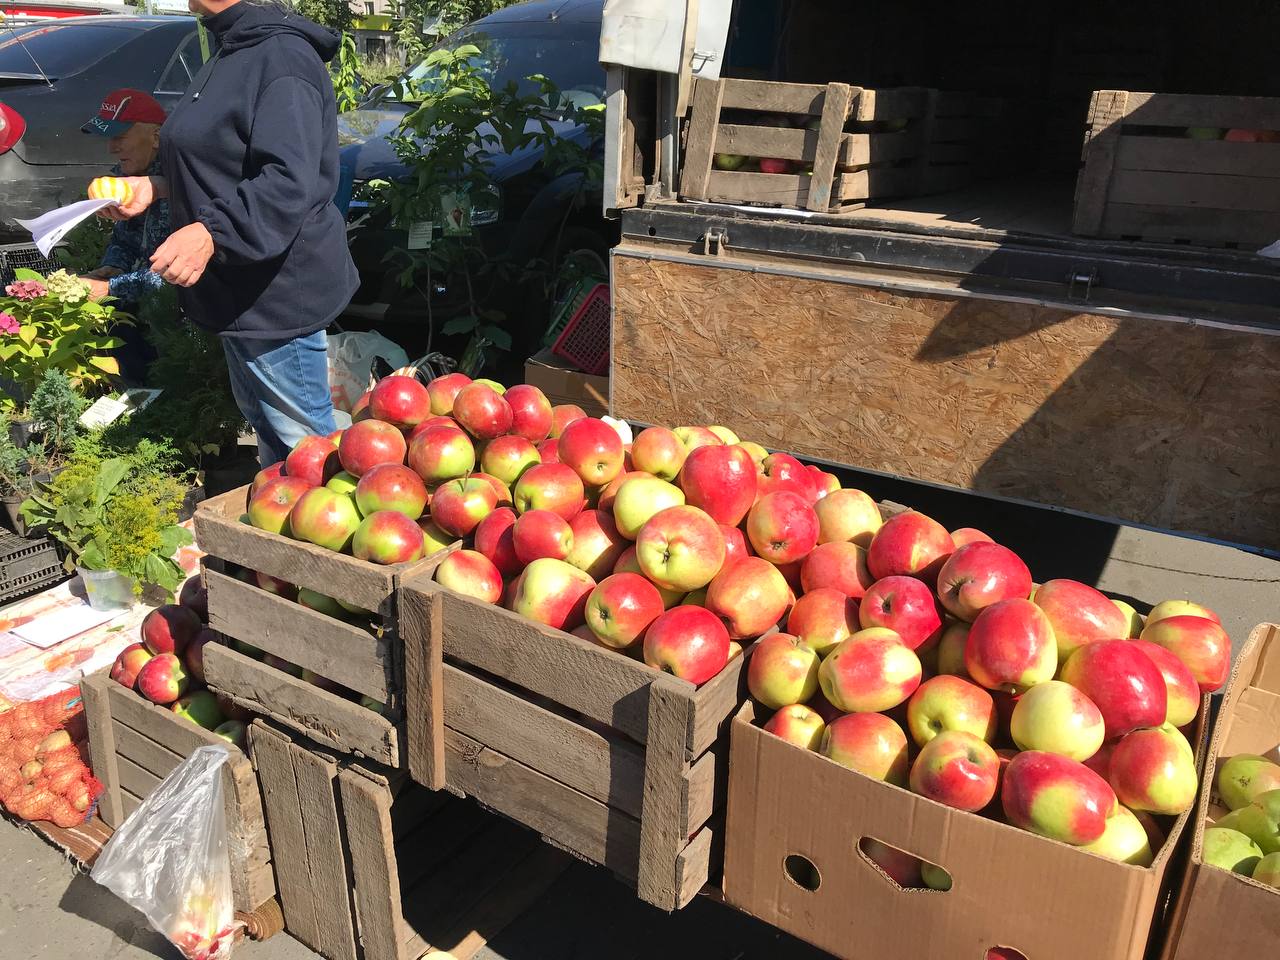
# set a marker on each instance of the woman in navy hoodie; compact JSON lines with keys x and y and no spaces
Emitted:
{"x":250,"y":168}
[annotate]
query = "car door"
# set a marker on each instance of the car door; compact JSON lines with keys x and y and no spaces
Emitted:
{"x":186,"y":62}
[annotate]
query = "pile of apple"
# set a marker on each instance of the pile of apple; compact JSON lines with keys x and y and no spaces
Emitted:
{"x":167,"y":666}
{"x":937,"y":665}
{"x":1247,"y":840}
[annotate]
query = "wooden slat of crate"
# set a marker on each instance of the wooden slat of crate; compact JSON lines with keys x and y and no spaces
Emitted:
{"x":1199,"y":156}
{"x":1198,"y":110}
{"x":1214,"y":192}
{"x":1158,"y":222}
{"x":323,"y":716}
{"x":338,"y":651}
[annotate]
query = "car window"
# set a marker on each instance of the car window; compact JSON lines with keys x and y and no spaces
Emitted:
{"x":58,"y":49}
{"x":185,"y":64}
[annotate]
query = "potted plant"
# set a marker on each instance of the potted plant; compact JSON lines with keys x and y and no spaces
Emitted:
{"x":56,"y":406}
{"x":22,"y":469}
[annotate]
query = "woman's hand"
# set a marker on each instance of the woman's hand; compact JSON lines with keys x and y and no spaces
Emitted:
{"x":181,"y":259}
{"x":144,"y":191}
{"x":98,"y":289}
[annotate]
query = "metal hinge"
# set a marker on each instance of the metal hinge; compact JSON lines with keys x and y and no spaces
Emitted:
{"x":1081,"y":277}
{"x":714,"y":242}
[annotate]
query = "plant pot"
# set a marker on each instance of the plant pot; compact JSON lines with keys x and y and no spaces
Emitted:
{"x":9,"y":516}
{"x":106,"y":589}
{"x":188,"y":509}
{"x":22,"y":432}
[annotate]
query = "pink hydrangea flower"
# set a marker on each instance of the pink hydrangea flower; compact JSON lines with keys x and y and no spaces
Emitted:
{"x":8,"y":324}
{"x":26,"y":289}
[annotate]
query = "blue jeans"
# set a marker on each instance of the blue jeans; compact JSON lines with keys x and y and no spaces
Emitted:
{"x":282,"y":388}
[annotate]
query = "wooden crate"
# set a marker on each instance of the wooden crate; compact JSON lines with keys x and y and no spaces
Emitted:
{"x":372,"y":866}
{"x":619,"y":764}
{"x":135,"y":744}
{"x":365,"y":660}
{"x":868,"y":144}
{"x":1144,"y":178}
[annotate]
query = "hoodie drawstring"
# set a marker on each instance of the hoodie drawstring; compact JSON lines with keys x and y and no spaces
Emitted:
{"x":209,"y":73}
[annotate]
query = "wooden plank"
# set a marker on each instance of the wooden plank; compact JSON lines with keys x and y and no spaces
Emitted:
{"x":135,"y":780}
{"x":684,"y":78}
{"x":876,"y":183}
{"x":861,"y":149}
{"x":700,"y":150}
{"x":366,"y":812}
{"x":609,"y":769}
{"x":321,"y":715}
{"x":316,"y":776}
{"x":697,"y":864}
{"x":565,"y":816}
{"x":1196,"y":110}
{"x":1199,"y":156}
{"x":1106,"y":114}
{"x":128,"y":804}
{"x":662,"y":823}
{"x":702,"y":788}
{"x":421,"y":630}
{"x":549,"y":662}
{"x":903,"y":103}
{"x":772,"y":97}
{"x":102,"y":747}
{"x":337,"y":651}
{"x":1200,"y":225}
{"x":272,"y":760}
{"x":1213,"y":192}
{"x":752,"y":141}
{"x":778,"y":189}
{"x":713,"y":706}
{"x":159,"y":723}
{"x":835,"y":109}
{"x":144,"y":751}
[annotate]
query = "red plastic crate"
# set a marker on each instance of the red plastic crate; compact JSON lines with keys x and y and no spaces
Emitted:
{"x":585,"y":340}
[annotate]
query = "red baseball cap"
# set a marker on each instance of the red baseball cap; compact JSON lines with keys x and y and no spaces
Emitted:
{"x":122,"y":109}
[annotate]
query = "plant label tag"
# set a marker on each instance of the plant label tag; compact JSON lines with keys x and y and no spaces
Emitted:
{"x":420,"y":235}
{"x":105,"y":410}
{"x":456,"y":210}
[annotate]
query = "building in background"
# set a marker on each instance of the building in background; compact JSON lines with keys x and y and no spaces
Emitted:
{"x":18,"y":13}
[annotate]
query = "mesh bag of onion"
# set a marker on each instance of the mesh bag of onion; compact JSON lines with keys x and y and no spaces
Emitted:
{"x":43,"y":770}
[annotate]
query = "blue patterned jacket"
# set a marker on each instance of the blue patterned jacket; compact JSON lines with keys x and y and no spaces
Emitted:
{"x":131,"y":246}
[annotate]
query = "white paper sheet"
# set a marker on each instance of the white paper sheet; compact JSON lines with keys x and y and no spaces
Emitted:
{"x":48,"y":228}
{"x":1272,"y":251}
{"x":62,"y":624}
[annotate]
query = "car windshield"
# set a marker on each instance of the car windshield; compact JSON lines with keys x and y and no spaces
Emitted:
{"x":59,"y":49}
{"x":513,"y":52}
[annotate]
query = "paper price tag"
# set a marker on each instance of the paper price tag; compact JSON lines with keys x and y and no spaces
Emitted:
{"x":420,"y":235}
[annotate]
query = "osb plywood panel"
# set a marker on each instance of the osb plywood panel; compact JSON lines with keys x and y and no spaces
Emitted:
{"x":1153,"y":421}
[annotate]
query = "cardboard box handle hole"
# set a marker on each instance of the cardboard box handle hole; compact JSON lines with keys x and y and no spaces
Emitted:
{"x":802,"y":872}
{"x":903,"y":870}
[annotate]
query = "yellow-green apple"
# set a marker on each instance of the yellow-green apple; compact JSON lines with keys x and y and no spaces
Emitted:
{"x":1180,"y":608}
{"x":1011,"y":647}
{"x":966,"y":535}
{"x":870,"y":743}
{"x":266,"y":474}
{"x":270,"y":507}
{"x":725,"y":434}
{"x":162,"y":679}
{"x":128,"y":663}
{"x":720,"y":480}
{"x":900,"y":867}
{"x":1132,"y":617}
{"x":275,"y":585}
{"x":871,"y":671}
{"x":680,"y":548}
{"x":694,"y":437}
{"x":442,"y":391}
{"x":313,"y":459}
{"x":797,"y":724}
{"x":1268,"y":870}
{"x":1182,"y":691}
{"x":550,"y":486}
{"x":823,"y":618}
{"x":325,"y":518}
{"x":493,"y":385}
{"x":344,"y":483}
{"x":482,"y":411}
{"x":1241,"y":779}
{"x":1124,"y":839}
{"x":980,"y":574}
{"x":689,"y":642}
{"x":735,"y":544}
{"x":904,"y":605}
{"x":1056,"y":797}
{"x":823,"y":482}
{"x":1198,"y":642}
{"x":958,"y":769}
{"x":945,"y":703}
{"x":495,"y":541}
{"x":592,"y":449}
{"x":609,"y":493}
{"x":508,"y":457}
{"x":200,"y":708}
{"x":388,"y":537}
{"x":1123,"y":681}
{"x":168,"y":629}
{"x":458,"y":506}
{"x":391,"y":486}
{"x":658,"y":451}
{"x":757,"y":453}
{"x":951,"y":645}
{"x":621,"y":608}
{"x":1057,"y":718}
{"x":400,"y":400}
{"x":472,"y":574}
{"x":912,"y":545}
{"x":847,"y":515}
{"x":838,"y":564}
{"x":233,"y":731}
{"x":782,"y":527}
{"x":321,"y":603}
{"x":442,"y":453}
{"x":563,"y":414}
{"x":782,"y":671}
{"x":935,"y":877}
{"x":639,"y":498}
{"x":530,"y":412}
{"x":433,"y":538}
{"x":782,"y":472}
{"x":750,"y":596}
{"x":1259,"y":821}
{"x":552,"y":592}
{"x":194,"y":657}
{"x":369,"y":443}
{"x":627,"y":563}
{"x":1229,"y":849}
{"x":597,"y":544}
{"x":541,"y":533}
{"x":1153,"y":770}
{"x":1079,"y":615}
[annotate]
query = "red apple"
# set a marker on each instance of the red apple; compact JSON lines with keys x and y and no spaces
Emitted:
{"x":782,"y":671}
{"x":627,"y":563}
{"x":774,"y":165}
{"x":1079,"y":614}
{"x":597,"y":544}
{"x":369,"y":443}
{"x":899,"y":866}
{"x":621,"y":608}
{"x":549,"y":450}
{"x":129,"y":663}
{"x":387,"y":537}
{"x":169,"y":629}
{"x":495,"y":540}
{"x":194,"y":658}
{"x":945,"y":703}
{"x":799,"y":725}
{"x":592,"y":449}
{"x":689,"y":642}
{"x":720,"y":480}
{"x":750,"y":596}
{"x":1011,"y":647}
{"x":563,"y":414}
{"x":541,"y":533}
{"x":530,"y":412}
{"x":400,"y":400}
{"x":658,"y":451}
{"x":783,"y":472}
{"x":471,"y":574}
{"x":782,"y":527}
{"x":391,"y":486}
{"x":1123,"y":681}
{"x":550,"y":486}
{"x":265,"y":474}
{"x":325,"y":518}
{"x":442,"y":453}
{"x":313,"y":459}
{"x":428,"y":423}
{"x":274,"y":585}
{"x":980,"y":574}
{"x":870,"y":672}
{"x":508,"y":457}
{"x":870,"y":743}
{"x":1154,"y":770}
{"x":837,"y":564}
{"x":680,"y":548}
{"x":1198,"y":642}
{"x":910,"y":544}
{"x":1100,"y":762}
{"x":823,"y":618}
{"x":270,"y":507}
{"x":824,"y":483}
{"x":1056,"y":797}
{"x":443,"y":390}
{"x":162,"y":679}
{"x":958,"y":769}
{"x":457,"y":507}
{"x":847,"y":515}
{"x":552,"y":592}
{"x":904,"y":605}
{"x":964,"y":536}
{"x":482,"y":411}
{"x":1181,"y":687}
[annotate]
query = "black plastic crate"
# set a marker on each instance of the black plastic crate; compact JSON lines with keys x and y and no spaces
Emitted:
{"x":27,"y":565}
{"x":16,"y":256}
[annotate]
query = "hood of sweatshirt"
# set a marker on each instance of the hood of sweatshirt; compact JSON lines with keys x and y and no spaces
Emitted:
{"x":247,"y":24}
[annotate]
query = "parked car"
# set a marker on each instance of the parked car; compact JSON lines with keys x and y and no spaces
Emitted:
{"x":536,"y":215}
{"x":53,"y":76}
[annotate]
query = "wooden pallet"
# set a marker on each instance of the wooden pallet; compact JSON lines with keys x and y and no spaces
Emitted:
{"x":867,"y":144}
{"x":135,"y":744}
{"x":605,"y":757}
{"x":373,"y":867}
{"x":365,"y":660}
{"x":1144,"y":178}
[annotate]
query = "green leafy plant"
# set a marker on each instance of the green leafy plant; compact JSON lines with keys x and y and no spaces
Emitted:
{"x":334,"y":14}
{"x":57,"y":407}
{"x":348,"y":87}
{"x":84,"y":246}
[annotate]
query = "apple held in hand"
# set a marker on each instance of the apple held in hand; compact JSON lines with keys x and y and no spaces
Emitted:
{"x":910,"y":545}
{"x":441,"y":453}
{"x":482,"y":411}
{"x":869,"y":743}
{"x":782,"y":671}
{"x":621,"y":608}
{"x":750,"y":596}
{"x":1124,"y":839}
{"x":552,"y":592}
{"x":399,"y":400}
{"x":1055,"y":717}
{"x":838,"y":564}
{"x":958,"y":769}
{"x":720,"y":480}
{"x":1154,"y":770}
{"x":1079,"y":615}
{"x":1182,"y":691}
{"x":823,"y":618}
{"x":871,"y":671}
{"x":904,"y":605}
{"x":946,"y":703}
{"x":541,"y":533}
{"x":1229,"y":849}
{"x":472,"y":574}
{"x":1056,"y":797}
{"x":391,"y":486}
{"x":530,"y":412}
{"x":1241,"y":779}
{"x":368,"y":443}
{"x":658,"y":451}
{"x":1198,"y":642}
{"x":1124,"y":682}
{"x":313,"y":459}
{"x":689,"y":642}
{"x":1011,"y":647}
{"x":640,"y":498}
{"x":550,"y":486}
{"x":798,"y":724}
{"x":782,"y":527}
{"x":680,"y":548}
{"x":270,"y":507}
{"x":847,"y":516}
{"x":980,"y":574}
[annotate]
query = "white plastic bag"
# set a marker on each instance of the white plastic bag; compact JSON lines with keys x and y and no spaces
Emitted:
{"x":351,"y":360}
{"x":170,"y":860}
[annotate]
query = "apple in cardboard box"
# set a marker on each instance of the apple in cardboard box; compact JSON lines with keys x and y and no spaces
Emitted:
{"x":1231,"y":850}
{"x":1079,"y":615}
{"x":944,"y":703}
{"x":980,"y":574}
{"x":904,"y":605}
{"x":1056,"y":797}
{"x":1182,"y":691}
{"x":1011,"y":647}
{"x":1123,"y":681}
{"x":1057,"y":718}
{"x":823,"y":618}
{"x":1124,"y":839}
{"x":797,"y":724}
{"x":1241,"y":779}
{"x":750,"y":596}
{"x":782,"y":671}
{"x":870,"y":672}
{"x":870,"y":743}
{"x":1198,"y":642}
{"x":958,"y":769}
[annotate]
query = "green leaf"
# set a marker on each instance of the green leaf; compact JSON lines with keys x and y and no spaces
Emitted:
{"x":109,"y":476}
{"x":91,"y":557}
{"x":459,"y":325}
{"x":27,"y":333}
{"x":496,"y":335}
{"x":22,"y":273}
{"x":171,"y":538}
